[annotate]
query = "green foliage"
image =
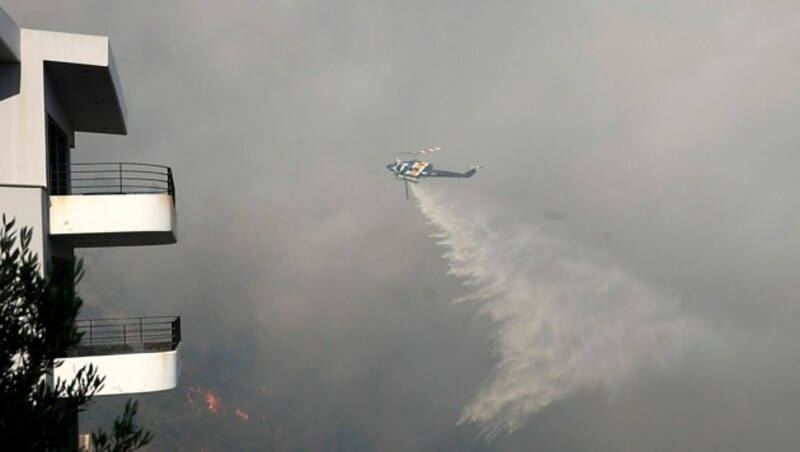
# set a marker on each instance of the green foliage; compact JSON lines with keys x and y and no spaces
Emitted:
{"x":126,"y":435}
{"x":37,"y":326}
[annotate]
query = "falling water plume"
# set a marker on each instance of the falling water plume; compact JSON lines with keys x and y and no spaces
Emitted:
{"x":564,"y":320}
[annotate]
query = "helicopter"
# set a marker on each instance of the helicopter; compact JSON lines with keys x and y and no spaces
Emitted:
{"x":413,"y":170}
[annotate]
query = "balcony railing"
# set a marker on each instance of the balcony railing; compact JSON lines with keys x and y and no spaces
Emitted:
{"x":127,"y":335}
{"x":111,"y":178}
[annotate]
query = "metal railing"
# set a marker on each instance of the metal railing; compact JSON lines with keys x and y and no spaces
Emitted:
{"x":111,"y":178}
{"x":127,"y":335}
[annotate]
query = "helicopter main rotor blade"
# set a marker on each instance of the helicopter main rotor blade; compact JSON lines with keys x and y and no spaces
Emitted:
{"x":422,"y":151}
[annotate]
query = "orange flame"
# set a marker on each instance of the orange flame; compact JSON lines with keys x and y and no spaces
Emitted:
{"x":213,"y":401}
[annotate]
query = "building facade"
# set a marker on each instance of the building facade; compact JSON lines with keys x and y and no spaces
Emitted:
{"x":52,"y":86}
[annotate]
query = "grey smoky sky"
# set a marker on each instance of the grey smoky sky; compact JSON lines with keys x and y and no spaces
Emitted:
{"x":663,"y":135}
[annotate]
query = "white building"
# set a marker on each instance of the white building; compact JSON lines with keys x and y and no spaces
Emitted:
{"x":53,"y":85}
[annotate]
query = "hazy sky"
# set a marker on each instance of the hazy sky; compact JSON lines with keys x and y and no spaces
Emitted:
{"x":640,"y":195}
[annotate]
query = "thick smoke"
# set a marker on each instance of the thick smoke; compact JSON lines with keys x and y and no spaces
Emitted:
{"x":565,"y":320}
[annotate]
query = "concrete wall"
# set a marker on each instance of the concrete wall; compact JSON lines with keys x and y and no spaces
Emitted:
{"x":129,"y":373}
{"x":28,"y":206}
{"x":9,"y":119}
{"x":113,"y":220}
{"x":28,"y":97}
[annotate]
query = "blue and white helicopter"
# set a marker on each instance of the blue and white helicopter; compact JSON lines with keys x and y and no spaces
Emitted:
{"x":415,"y":169}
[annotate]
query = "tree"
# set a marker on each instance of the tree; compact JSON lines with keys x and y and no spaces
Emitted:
{"x":37,"y":326}
{"x":125,"y":435}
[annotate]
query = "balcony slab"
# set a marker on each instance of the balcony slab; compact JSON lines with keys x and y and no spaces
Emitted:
{"x":113,"y":220}
{"x":127,"y":373}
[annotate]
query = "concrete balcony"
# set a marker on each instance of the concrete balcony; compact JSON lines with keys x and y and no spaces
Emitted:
{"x":113,"y":204}
{"x":135,"y":355}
